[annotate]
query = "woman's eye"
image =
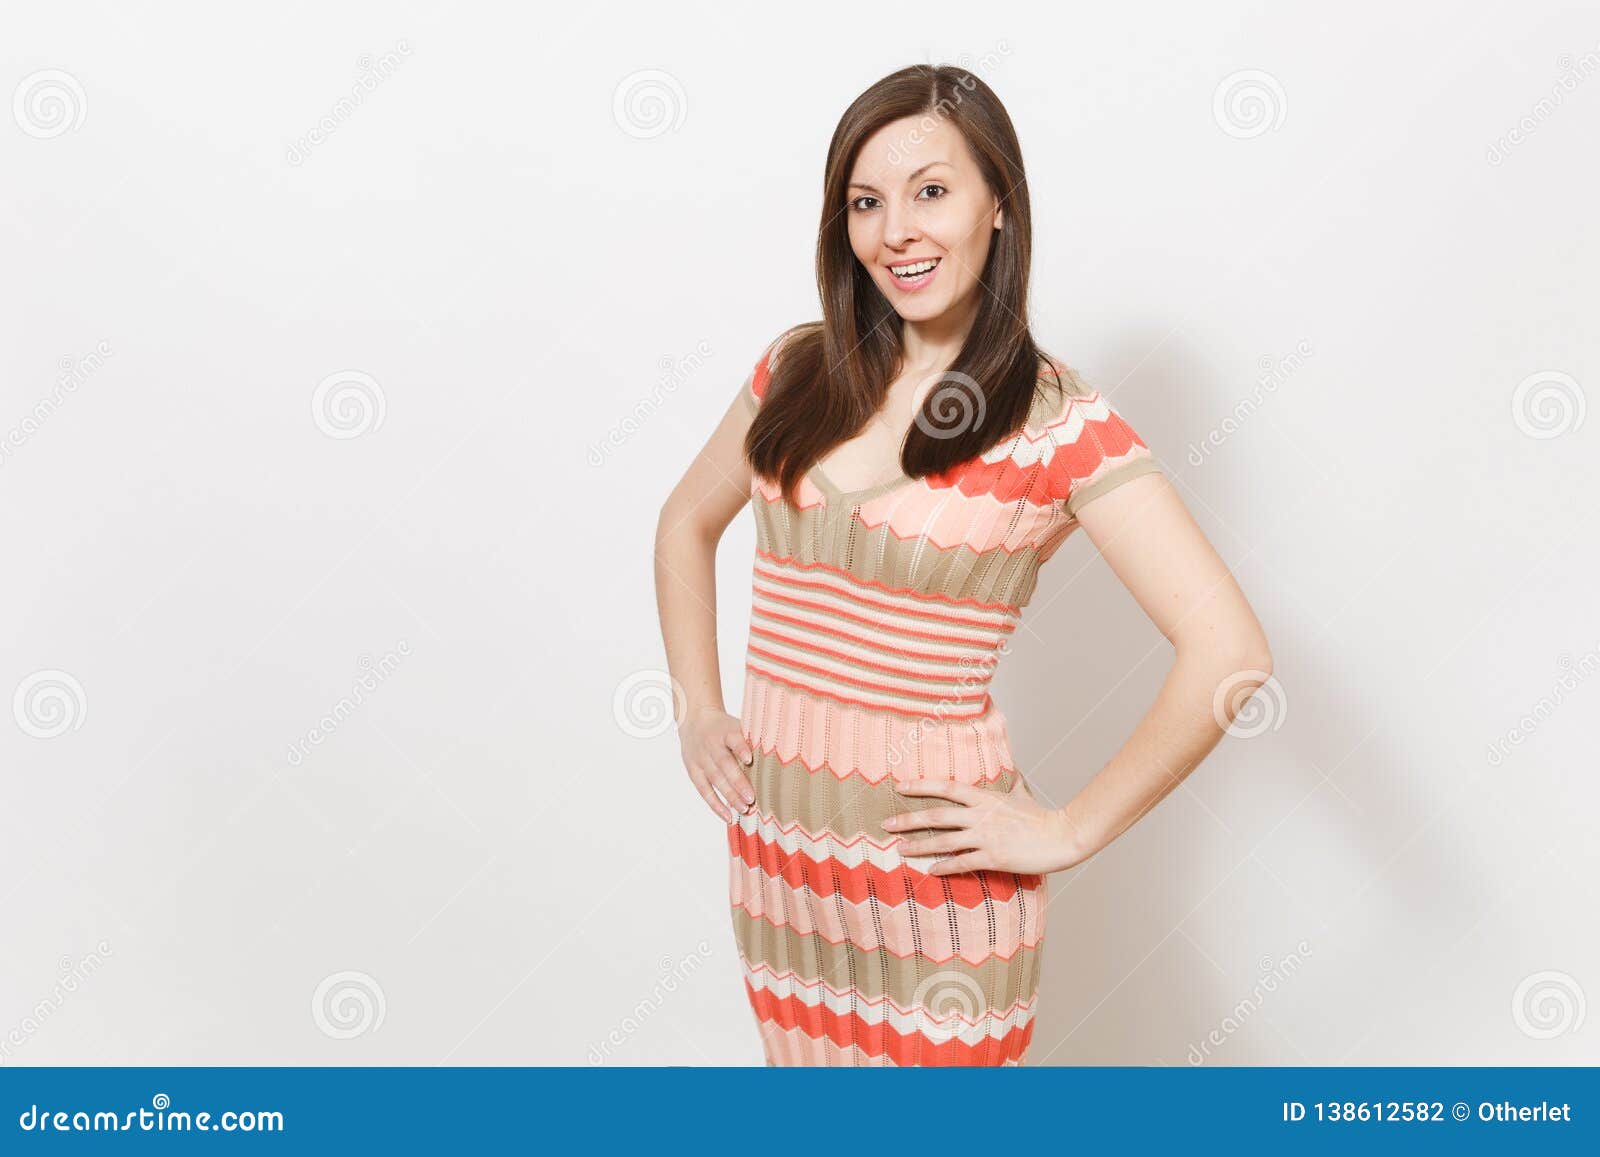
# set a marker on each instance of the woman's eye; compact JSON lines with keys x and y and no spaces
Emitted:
{"x":866,"y":201}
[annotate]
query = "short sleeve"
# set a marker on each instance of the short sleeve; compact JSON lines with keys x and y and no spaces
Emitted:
{"x":755,"y":385}
{"x":1094,"y":449}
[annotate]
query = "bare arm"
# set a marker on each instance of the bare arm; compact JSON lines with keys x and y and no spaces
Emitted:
{"x":712,"y":491}
{"x":1153,"y":545}
{"x":1146,"y":534}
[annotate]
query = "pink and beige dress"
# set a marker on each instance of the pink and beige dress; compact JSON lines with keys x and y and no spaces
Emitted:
{"x":878,"y":618}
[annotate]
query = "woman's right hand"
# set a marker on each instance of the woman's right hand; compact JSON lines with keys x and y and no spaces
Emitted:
{"x":715,"y":752}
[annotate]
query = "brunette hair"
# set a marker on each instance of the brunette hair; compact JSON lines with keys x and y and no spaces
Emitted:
{"x":832,"y":376}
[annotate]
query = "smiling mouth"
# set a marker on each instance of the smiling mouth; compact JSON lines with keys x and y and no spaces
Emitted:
{"x":915,"y":269}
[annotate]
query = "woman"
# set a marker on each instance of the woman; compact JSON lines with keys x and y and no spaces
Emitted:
{"x":912,"y":459}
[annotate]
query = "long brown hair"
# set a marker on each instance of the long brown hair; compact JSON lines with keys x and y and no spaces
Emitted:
{"x":832,"y":376}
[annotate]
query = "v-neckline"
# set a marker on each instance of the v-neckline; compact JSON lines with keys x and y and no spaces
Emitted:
{"x":836,"y":496}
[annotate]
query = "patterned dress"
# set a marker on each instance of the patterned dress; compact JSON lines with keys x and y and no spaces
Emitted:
{"x":878,"y":617}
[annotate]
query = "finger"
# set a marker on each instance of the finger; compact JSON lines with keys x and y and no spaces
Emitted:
{"x":962,"y":793}
{"x":731,"y":793}
{"x":703,"y":786}
{"x":740,"y":746}
{"x":725,"y":775}
{"x":935,"y":845}
{"x":955,"y":865}
{"x":933,"y":817}
{"x":738,"y":791}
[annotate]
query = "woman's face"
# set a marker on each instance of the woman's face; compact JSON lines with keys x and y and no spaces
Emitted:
{"x":915,"y":198}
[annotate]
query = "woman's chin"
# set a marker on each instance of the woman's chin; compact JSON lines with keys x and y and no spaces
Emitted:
{"x":920,"y":312}
{"x":916,"y":307}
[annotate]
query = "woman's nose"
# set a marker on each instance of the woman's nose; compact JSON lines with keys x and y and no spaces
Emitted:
{"x":900,"y":226}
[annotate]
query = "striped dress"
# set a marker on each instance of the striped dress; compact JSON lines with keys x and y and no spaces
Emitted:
{"x":878,"y":617}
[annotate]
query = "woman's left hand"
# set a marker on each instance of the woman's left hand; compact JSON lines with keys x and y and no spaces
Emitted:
{"x":1004,"y":831}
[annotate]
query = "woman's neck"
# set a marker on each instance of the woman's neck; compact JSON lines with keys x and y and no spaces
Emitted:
{"x":931,"y":346}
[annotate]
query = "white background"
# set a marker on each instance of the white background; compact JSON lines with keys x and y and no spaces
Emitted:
{"x":512,"y":877}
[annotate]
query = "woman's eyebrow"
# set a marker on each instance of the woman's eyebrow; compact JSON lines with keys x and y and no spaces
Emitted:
{"x":912,"y":177}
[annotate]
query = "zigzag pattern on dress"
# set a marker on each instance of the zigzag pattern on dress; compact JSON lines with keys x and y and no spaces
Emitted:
{"x":879,"y":618}
{"x":949,"y":1026}
{"x":859,"y":868}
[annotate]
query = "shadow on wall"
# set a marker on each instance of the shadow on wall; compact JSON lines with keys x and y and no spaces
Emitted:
{"x":1260,"y":914}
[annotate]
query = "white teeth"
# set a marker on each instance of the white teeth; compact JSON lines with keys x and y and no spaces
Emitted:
{"x":917,"y":270}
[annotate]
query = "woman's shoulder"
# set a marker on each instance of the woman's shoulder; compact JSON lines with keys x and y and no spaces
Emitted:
{"x":1087,"y":445}
{"x":1056,"y":388}
{"x":759,"y":377}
